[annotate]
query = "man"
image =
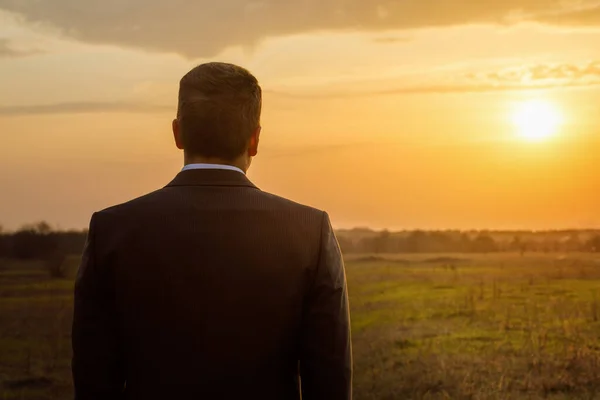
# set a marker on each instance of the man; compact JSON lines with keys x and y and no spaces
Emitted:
{"x":210,"y":288}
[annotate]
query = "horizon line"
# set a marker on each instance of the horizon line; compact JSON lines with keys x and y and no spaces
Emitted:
{"x":59,"y":229}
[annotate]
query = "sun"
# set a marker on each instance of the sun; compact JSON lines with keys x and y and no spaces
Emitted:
{"x":537,"y":120}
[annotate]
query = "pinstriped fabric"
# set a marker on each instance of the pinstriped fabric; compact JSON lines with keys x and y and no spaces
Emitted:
{"x":218,"y":290}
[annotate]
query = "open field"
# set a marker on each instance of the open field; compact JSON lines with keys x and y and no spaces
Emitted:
{"x":499,"y":326}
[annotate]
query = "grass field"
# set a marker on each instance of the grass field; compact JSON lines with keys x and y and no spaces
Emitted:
{"x":424,"y":327}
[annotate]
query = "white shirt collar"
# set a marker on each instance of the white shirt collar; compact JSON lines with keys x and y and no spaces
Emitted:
{"x":212,"y":166}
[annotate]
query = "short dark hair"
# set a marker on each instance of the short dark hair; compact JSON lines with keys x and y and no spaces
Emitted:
{"x":219,"y":109}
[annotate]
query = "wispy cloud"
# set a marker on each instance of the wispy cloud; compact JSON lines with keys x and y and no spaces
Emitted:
{"x":556,"y":74}
{"x":203,"y":28}
{"x":7,"y":50}
{"x":391,"y":39}
{"x":584,"y":14}
{"x":82,"y":107}
{"x":528,"y":77}
{"x":406,"y":90}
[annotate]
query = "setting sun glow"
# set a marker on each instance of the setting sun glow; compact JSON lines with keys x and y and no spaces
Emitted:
{"x":537,"y":120}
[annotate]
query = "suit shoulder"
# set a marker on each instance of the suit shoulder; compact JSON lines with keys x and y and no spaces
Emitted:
{"x":128,"y":206}
{"x":291,"y":205}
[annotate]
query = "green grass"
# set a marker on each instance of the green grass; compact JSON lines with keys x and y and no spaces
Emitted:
{"x":498,"y":327}
{"x":35,"y":319}
{"x":424,"y":327}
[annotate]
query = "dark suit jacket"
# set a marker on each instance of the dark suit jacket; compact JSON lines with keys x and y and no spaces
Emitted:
{"x":211,"y":289}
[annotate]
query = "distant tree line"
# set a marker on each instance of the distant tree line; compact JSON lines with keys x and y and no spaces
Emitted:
{"x":41,"y":242}
{"x":366,"y":241}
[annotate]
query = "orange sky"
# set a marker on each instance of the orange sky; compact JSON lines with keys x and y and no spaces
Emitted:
{"x":390,"y":114}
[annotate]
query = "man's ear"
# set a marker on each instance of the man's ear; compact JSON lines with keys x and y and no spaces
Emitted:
{"x":254,"y":140}
{"x":177,"y":134}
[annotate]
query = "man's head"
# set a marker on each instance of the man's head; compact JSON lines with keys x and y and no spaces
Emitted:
{"x":218,"y":116}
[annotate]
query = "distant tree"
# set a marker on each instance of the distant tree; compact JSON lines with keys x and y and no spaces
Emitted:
{"x":484,"y":244}
{"x":28,"y":244}
{"x":42,"y":228}
{"x":550,"y":245}
{"x":38,"y":242}
{"x":464,"y":244}
{"x":72,"y":242}
{"x":382,"y":242}
{"x":593,"y":244}
{"x":346,"y":244}
{"x":518,"y":245}
{"x":416,"y":242}
{"x":440,"y":242}
{"x":364,"y":245}
{"x":4,"y":245}
{"x":572,"y":242}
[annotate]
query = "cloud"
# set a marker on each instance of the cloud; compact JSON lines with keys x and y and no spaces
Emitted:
{"x":582,"y":16}
{"x":203,"y":28}
{"x":407,"y":90}
{"x":532,"y":77}
{"x":391,"y":39}
{"x":557,"y":74}
{"x":83,"y":107}
{"x":7,"y":50}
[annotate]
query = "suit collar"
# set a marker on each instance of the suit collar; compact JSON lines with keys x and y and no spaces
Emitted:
{"x":212,"y":166}
{"x":211,"y":177}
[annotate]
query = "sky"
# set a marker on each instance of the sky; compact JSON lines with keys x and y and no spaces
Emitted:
{"x":398,"y":114}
